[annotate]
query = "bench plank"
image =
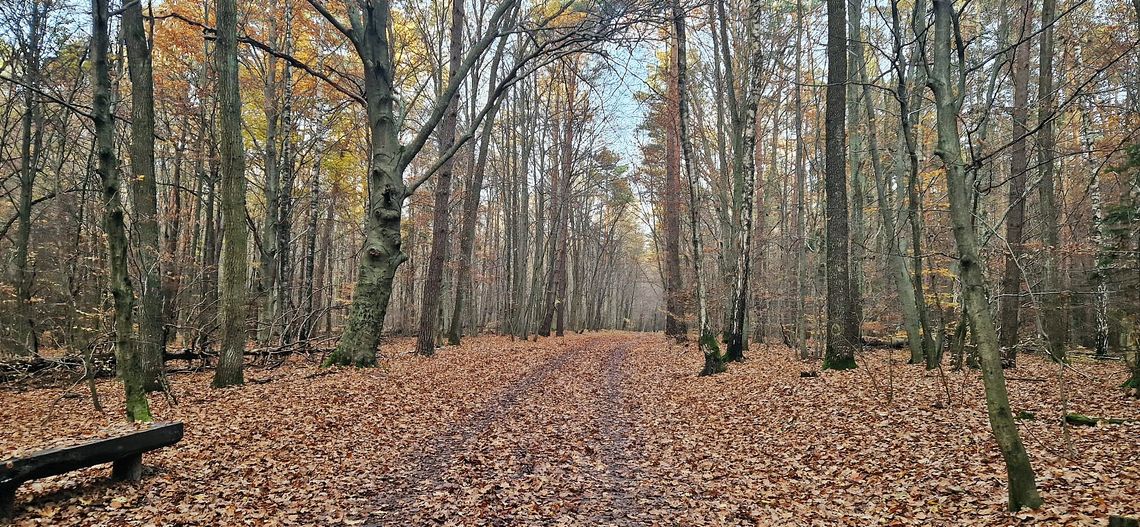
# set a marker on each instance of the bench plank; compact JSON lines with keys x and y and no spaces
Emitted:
{"x":124,"y":450}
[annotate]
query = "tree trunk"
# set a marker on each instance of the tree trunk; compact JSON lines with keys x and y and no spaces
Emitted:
{"x":1022,"y":487}
{"x":233,"y":281}
{"x":1056,"y":330}
{"x":895,"y":261}
{"x":671,"y":209}
{"x":144,"y":196}
{"x":739,"y":305}
{"x":706,"y":342}
{"x":1015,"y":219}
{"x":431,"y":301}
{"x":471,"y":210}
{"x":31,"y":125}
{"x":128,"y":359}
{"x":842,"y":333}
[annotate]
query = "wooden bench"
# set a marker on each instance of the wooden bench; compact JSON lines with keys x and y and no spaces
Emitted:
{"x":124,"y":451}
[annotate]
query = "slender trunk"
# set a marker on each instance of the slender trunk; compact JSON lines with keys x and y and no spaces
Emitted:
{"x":896,"y":262}
{"x":801,"y":214}
{"x":671,"y":204}
{"x":127,"y":355}
{"x":232,"y":284}
{"x":431,"y":301}
{"x":1022,"y":487}
{"x":31,"y":125}
{"x":1056,"y":329}
{"x":714,"y":362}
{"x":471,"y":209}
{"x":739,"y":306}
{"x":1015,"y":219}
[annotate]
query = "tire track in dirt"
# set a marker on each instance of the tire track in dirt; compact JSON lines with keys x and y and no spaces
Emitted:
{"x":427,"y":467}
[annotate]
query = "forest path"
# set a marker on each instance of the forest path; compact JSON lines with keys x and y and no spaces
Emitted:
{"x":555,"y":442}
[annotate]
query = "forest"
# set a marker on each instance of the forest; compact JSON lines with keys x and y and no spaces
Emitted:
{"x":571,"y":262}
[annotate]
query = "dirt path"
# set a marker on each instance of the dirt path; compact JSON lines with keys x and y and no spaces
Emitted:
{"x":553,"y":443}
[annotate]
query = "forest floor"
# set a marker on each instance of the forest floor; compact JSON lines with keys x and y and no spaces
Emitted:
{"x":596,"y":429}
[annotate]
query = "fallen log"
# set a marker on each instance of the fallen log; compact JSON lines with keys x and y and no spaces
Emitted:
{"x":1076,"y":419}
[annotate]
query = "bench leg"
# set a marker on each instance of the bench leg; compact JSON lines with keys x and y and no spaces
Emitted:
{"x":127,"y":469}
{"x":7,"y":500}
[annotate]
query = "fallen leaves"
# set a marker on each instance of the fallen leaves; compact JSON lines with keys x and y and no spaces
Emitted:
{"x":598,"y":429}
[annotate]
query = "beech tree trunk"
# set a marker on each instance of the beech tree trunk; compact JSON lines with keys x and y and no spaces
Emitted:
{"x":948,"y":101}
{"x":127,"y":356}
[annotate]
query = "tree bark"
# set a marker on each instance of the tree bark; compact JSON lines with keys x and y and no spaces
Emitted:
{"x":1022,"y":487}
{"x":671,"y":207}
{"x":1055,"y":326}
{"x":706,"y":342}
{"x":144,"y":196}
{"x":233,"y":280}
{"x":471,"y":210}
{"x":430,"y":303}
{"x":1019,"y":167}
{"x":129,"y":361}
{"x":842,"y":333}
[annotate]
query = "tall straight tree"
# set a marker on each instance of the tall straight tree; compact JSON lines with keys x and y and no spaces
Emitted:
{"x":739,"y":305}
{"x":948,"y":97}
{"x":127,"y":355}
{"x":706,"y":341}
{"x":463,"y":287}
{"x":1056,"y":328}
{"x":31,"y":145}
{"x":1018,"y":169}
{"x":441,"y":214}
{"x":671,"y":206}
{"x":842,"y":330}
{"x":144,"y":195}
{"x":233,"y":282}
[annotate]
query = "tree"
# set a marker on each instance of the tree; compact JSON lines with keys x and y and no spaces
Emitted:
{"x":675,"y":326}
{"x":747,"y":167}
{"x":948,"y":101}
{"x":471,"y":209}
{"x":706,"y":341}
{"x":441,"y":212}
{"x":842,"y":327}
{"x":144,"y":196}
{"x":233,"y":283}
{"x":127,"y":356}
{"x":1018,"y":169}
{"x":1056,"y":327}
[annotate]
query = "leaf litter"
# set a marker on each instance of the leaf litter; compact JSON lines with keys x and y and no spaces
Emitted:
{"x":596,"y":429}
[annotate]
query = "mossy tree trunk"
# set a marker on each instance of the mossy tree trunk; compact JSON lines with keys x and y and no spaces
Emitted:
{"x":948,"y":101}
{"x":127,"y":355}
{"x":367,"y":32}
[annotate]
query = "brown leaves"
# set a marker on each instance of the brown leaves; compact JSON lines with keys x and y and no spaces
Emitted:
{"x":601,"y":429}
